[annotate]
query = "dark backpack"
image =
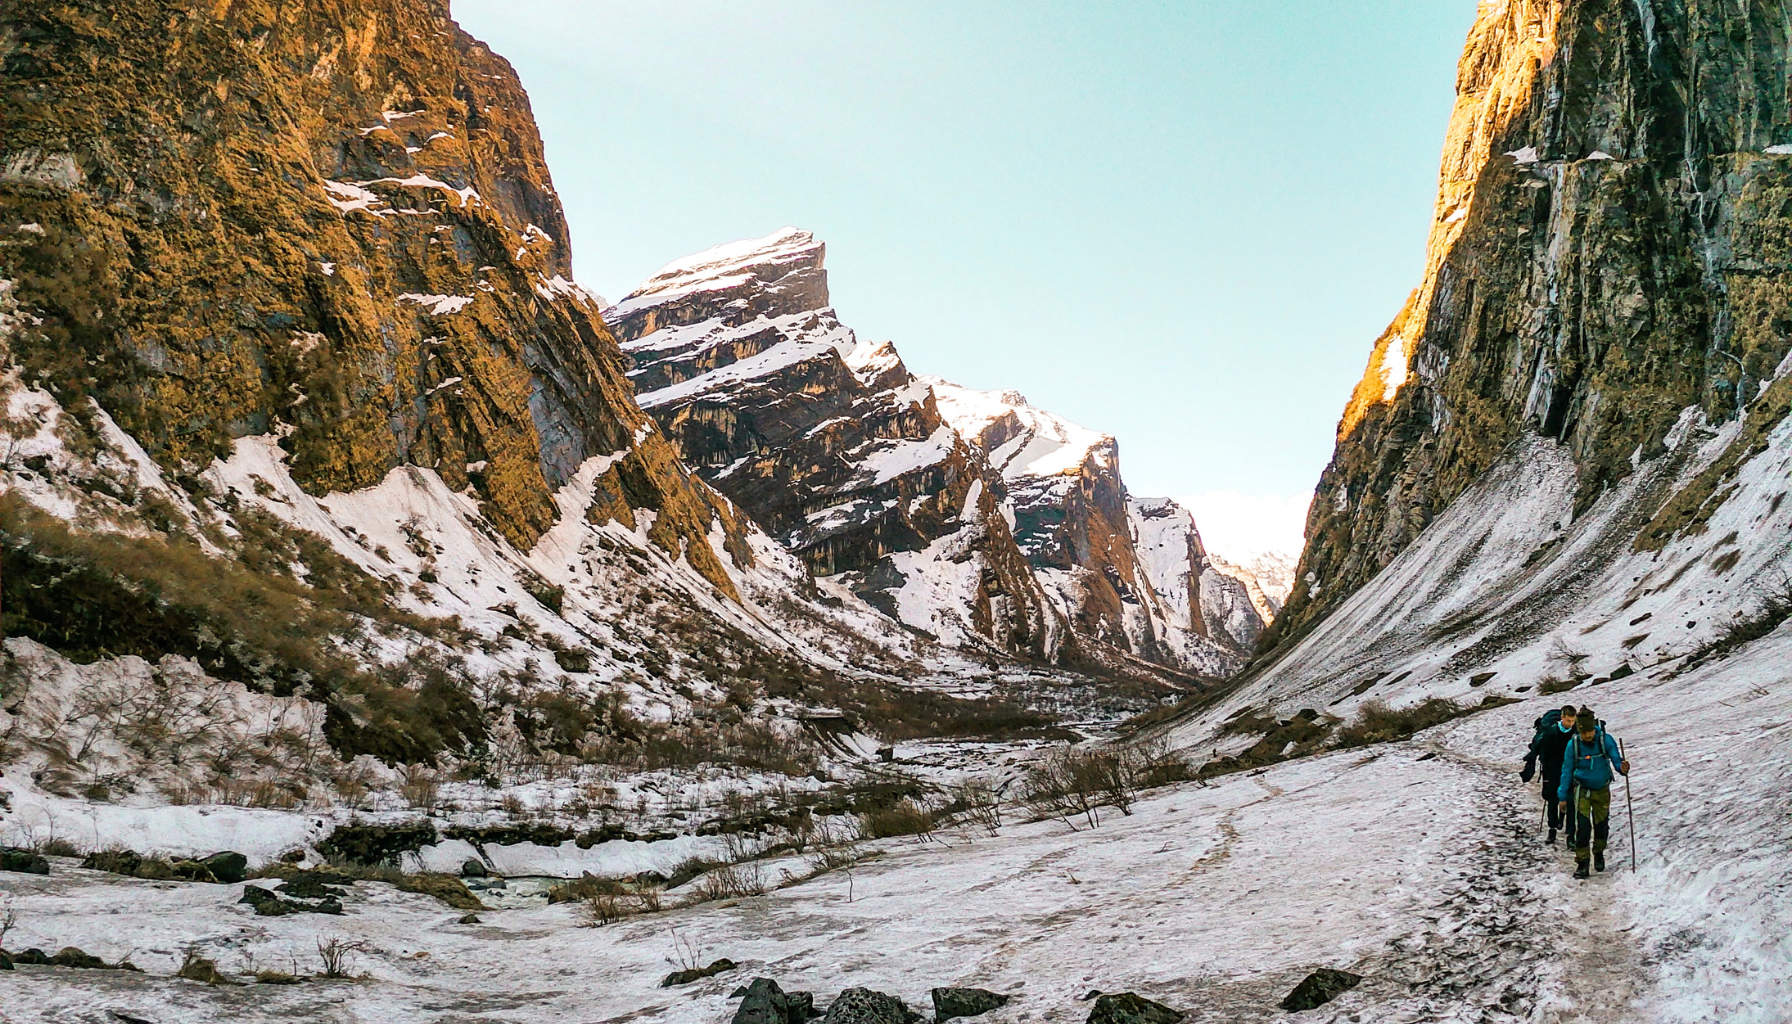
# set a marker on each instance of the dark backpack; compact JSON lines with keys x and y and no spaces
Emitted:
{"x":1550,"y":719}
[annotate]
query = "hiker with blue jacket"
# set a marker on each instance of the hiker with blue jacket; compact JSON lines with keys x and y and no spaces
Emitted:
{"x":1588,"y":764}
{"x":1554,"y":730}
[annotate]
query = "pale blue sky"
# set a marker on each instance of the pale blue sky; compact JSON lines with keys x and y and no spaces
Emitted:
{"x":1179,"y":223}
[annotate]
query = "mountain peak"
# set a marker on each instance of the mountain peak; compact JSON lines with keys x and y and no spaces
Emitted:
{"x":729,"y":266}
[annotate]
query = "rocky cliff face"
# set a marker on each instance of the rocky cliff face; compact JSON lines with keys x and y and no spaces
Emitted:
{"x":1131,"y":573}
{"x":327,"y":221}
{"x":1609,"y":251}
{"x":829,"y":442}
{"x":297,"y":396}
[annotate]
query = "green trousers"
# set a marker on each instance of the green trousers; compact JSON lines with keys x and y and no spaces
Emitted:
{"x":1592,"y":821}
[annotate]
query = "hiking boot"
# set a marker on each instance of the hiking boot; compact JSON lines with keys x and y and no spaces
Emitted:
{"x":1599,"y":861}
{"x":1552,"y":837}
{"x":1580,"y":870}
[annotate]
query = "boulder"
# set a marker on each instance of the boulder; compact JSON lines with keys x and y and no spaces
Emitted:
{"x":119,"y":862}
{"x":374,"y":845}
{"x":309,"y":885}
{"x":763,"y":1002}
{"x":863,"y":1006}
{"x":227,"y":866}
{"x":267,"y":904}
{"x":73,"y":956}
{"x":473,"y":867}
{"x":964,"y":1002}
{"x":1130,"y":1008}
{"x":1319,"y":988}
{"x":27,"y":861}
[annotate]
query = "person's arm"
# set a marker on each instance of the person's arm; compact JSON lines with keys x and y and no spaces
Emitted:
{"x":1616,"y":753}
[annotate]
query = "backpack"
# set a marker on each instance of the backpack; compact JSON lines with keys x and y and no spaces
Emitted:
{"x":1550,"y":719}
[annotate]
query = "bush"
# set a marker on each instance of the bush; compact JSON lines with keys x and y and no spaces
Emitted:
{"x":1075,"y":782}
{"x":732,"y":881}
{"x":601,"y":908}
{"x":976,"y":802}
{"x":587,"y":886}
{"x":1378,"y":723}
{"x":337,"y":953}
{"x":195,"y":967}
{"x":905,"y":818}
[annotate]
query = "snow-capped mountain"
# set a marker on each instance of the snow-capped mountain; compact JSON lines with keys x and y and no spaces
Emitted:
{"x":829,"y":442}
{"x":966,"y":515}
{"x":1131,"y":571}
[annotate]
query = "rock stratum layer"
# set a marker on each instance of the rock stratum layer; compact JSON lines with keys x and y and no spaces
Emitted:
{"x":1610,"y":249}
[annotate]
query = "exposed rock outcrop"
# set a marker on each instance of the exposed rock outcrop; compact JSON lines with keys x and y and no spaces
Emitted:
{"x":329,"y":222}
{"x":828,"y":441}
{"x":1609,"y":250}
{"x":1128,"y":572}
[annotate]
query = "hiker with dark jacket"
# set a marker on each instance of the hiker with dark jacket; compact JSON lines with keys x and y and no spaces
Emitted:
{"x":1588,"y":763}
{"x":1553,"y":732}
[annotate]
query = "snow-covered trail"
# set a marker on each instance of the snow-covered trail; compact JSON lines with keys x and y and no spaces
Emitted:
{"x":1423,"y":873}
{"x":1419,"y":865}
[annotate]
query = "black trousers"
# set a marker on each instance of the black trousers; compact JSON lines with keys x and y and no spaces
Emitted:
{"x":1556,"y":818}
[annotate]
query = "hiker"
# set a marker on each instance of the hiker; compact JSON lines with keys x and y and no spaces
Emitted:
{"x":1554,"y":730}
{"x":1587,"y":765}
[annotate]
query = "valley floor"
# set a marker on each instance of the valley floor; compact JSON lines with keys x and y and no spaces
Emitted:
{"x":1419,"y":865}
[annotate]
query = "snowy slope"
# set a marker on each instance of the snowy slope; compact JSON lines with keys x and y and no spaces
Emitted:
{"x":1509,"y":582}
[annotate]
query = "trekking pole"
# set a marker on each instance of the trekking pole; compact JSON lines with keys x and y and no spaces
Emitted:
{"x":1629,"y":811}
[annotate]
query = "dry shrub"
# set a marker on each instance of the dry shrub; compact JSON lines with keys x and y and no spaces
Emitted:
{"x":56,"y":847}
{"x":976,"y":802}
{"x":585,"y":887}
{"x":601,"y":908}
{"x":1075,"y":782}
{"x":732,"y":881}
{"x":1378,"y":723}
{"x":337,"y":954}
{"x":195,"y":967}
{"x":420,"y":787}
{"x":904,"y":818}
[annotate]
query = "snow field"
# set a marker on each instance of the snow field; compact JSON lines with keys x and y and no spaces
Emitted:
{"x":1419,"y":865}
